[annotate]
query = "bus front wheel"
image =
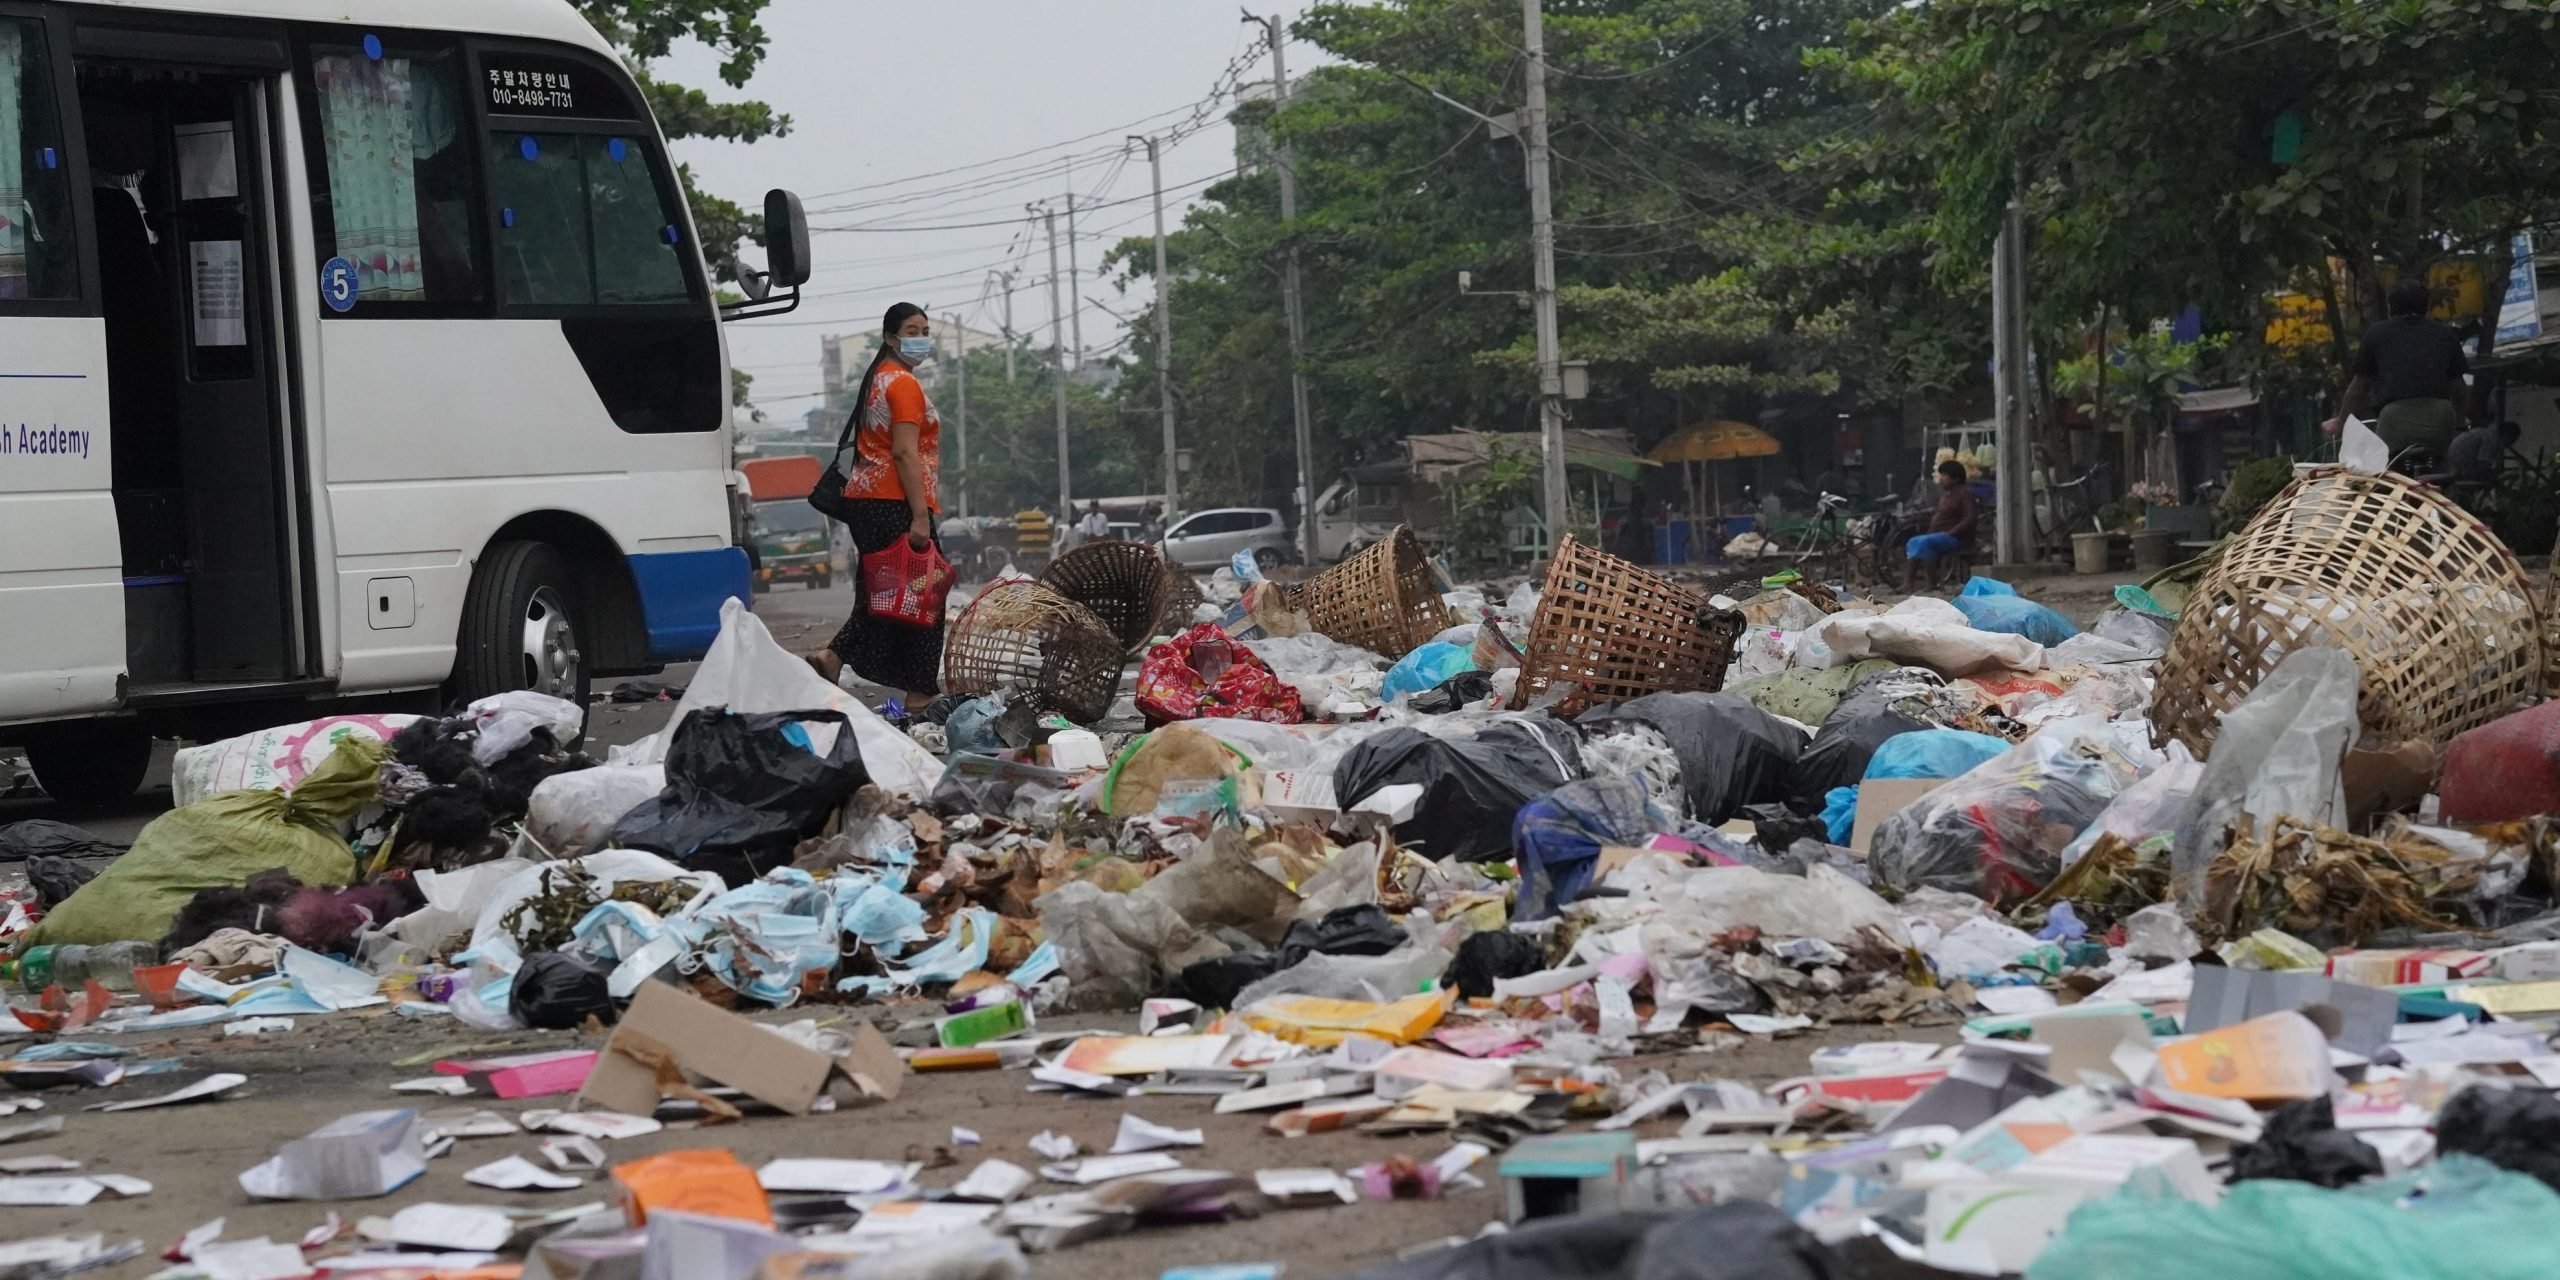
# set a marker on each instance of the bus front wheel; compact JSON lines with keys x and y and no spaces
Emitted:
{"x":520,"y":627}
{"x":92,"y":764}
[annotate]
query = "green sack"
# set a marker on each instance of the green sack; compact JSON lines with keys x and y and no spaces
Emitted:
{"x":1806,"y":696}
{"x":221,"y":841}
{"x":2460,"y":1218}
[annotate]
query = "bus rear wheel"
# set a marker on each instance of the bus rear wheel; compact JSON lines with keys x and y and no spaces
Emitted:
{"x":90,"y":765}
{"x":520,"y":627}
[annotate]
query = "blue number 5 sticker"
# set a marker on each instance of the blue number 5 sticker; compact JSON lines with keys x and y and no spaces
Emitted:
{"x":338,"y":285}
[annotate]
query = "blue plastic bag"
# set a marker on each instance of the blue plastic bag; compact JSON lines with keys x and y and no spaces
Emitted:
{"x":1559,"y":835}
{"x":1840,"y":812}
{"x":1932,"y":753}
{"x":1992,"y":605}
{"x":1425,"y":668}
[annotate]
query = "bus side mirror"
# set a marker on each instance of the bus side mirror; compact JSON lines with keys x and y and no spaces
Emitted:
{"x":786,"y":236}
{"x":775,"y":290}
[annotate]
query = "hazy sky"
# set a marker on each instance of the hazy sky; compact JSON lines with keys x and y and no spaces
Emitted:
{"x":881,"y":94}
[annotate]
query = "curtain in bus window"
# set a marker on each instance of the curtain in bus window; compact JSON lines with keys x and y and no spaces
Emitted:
{"x":368,"y":122}
{"x":13,"y":162}
{"x":635,"y":239}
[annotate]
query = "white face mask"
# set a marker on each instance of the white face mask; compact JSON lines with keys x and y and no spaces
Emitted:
{"x":915,"y":350}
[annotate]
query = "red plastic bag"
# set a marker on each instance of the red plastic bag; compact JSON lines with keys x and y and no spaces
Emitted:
{"x":902,"y":584}
{"x":1203,"y":672}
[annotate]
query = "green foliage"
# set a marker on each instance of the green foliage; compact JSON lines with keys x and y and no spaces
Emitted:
{"x":2254,"y":485}
{"x":2143,"y":374}
{"x":646,"y":30}
{"x":1013,"y":437}
{"x":1481,"y":500}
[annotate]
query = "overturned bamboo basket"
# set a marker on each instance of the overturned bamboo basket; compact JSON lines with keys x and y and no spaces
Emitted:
{"x":2436,"y":611}
{"x":1126,"y":584}
{"x":1383,"y":598}
{"x":1615,"y":632}
{"x":1035,"y":646}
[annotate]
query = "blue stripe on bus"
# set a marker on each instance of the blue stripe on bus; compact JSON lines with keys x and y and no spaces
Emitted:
{"x":680,"y":597}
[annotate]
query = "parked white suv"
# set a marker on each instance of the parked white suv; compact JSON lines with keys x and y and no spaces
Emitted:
{"x":1207,"y":539}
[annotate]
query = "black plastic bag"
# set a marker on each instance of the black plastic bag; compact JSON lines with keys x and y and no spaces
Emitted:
{"x":41,"y":838}
{"x":743,"y":790}
{"x":1344,"y":931}
{"x":2303,"y":1143}
{"x":56,"y":879}
{"x":1841,"y":747}
{"x":1463,"y":689}
{"x":1471,"y":787}
{"x":2517,"y":1129}
{"x":1485,"y":958}
{"x":555,"y":991}
{"x":1213,"y":984}
{"x":1743,"y":1240}
{"x":1732,"y":754}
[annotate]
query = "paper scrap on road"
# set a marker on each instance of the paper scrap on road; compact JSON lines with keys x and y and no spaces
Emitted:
{"x":995,"y":1181}
{"x":592,"y":1124}
{"x":515,"y":1173}
{"x":210,"y":1087}
{"x":450,"y":1226}
{"x":1145,"y":1135}
{"x":259,"y":1259}
{"x":1093,"y":1169}
{"x":257,"y":1027}
{"x":1053,"y":1146}
{"x":446,"y":1086}
{"x":573,"y":1154}
{"x":842,"y":1177}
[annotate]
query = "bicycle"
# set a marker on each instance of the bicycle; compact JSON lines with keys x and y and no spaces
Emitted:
{"x":1840,"y":548}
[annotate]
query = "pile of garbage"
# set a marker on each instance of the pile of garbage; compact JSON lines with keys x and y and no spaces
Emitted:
{"x":2264,"y":1002}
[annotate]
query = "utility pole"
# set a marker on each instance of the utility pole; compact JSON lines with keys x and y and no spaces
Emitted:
{"x":1164,"y":344}
{"x":1075,"y":277}
{"x":1009,"y":337}
{"x":1542,"y":244}
{"x":960,"y":370}
{"x":2016,"y":522}
{"x":1278,"y":37}
{"x":1058,"y":376}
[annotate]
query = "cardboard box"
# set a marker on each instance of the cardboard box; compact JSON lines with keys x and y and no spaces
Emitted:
{"x":2355,"y":1018}
{"x":1567,"y":1175}
{"x":2406,"y":967}
{"x":706,"y":1040}
{"x":2281,"y":1057}
{"x":1994,"y":1228}
{"x":1881,"y":798}
{"x":354,"y":1157}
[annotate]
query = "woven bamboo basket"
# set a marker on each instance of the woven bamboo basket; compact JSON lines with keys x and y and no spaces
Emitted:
{"x":1126,"y":584}
{"x":1618,"y":632}
{"x":1383,"y":598}
{"x":2435,"y":610}
{"x":1037,"y":646}
{"x":2551,"y":625}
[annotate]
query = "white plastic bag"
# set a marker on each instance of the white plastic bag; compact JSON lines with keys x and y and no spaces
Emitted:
{"x":570,"y":814}
{"x":2150,"y":813}
{"x":495,"y":949}
{"x":2361,"y":451}
{"x":1928,"y":632}
{"x":508,"y":720}
{"x":2279,"y":753}
{"x":747,"y":672}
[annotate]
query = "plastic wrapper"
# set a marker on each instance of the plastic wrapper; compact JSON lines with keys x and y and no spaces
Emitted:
{"x":771,"y":941}
{"x":2135,"y":630}
{"x":218,"y":843}
{"x":1559,"y":837}
{"x":2460,"y":1218}
{"x":1732,"y":753}
{"x":2088,"y":649}
{"x":1999,"y":831}
{"x":1626,"y":749}
{"x":1706,"y":901}
{"x":1840,"y":815}
{"x":1202,"y":673}
{"x":748,"y":673}
{"x":1473,"y":787}
{"x":570,"y":814}
{"x":1764,"y":651}
{"x":2158,"y":932}
{"x":506,"y":721}
{"x":2278,"y":755}
{"x":1393,"y":976}
{"x":744,"y":790}
{"x":1119,"y":948}
{"x":1992,"y":605}
{"x":2150,"y":813}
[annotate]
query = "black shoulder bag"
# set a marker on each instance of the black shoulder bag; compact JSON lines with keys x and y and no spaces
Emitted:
{"x":829,"y":497}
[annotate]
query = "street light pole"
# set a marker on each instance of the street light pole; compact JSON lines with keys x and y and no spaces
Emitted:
{"x":1542,"y":240}
{"x":1289,"y":298}
{"x":1164,"y":344}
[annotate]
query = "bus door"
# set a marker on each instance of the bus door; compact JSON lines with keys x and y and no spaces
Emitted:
{"x":183,"y":190}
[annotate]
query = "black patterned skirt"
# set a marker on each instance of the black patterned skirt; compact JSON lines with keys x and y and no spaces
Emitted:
{"x":897,"y":655}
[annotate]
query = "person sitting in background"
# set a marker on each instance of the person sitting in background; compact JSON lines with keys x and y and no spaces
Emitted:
{"x":1951,"y":527}
{"x":2408,"y":374}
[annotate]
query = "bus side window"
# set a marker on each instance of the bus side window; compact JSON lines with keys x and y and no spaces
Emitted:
{"x":403,"y":194}
{"x":582,"y":221}
{"x":39,"y":246}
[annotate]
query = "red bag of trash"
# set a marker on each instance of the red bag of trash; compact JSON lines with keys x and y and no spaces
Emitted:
{"x":1203,"y":672}
{"x":2506,"y":769}
{"x":902,"y":584}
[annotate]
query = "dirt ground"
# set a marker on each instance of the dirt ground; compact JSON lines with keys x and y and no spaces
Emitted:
{"x":330,"y":1065}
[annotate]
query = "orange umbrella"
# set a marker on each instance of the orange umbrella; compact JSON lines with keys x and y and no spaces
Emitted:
{"x":1722,"y":441}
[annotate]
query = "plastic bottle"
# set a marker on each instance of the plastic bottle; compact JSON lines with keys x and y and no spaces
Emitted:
{"x":69,"y":966}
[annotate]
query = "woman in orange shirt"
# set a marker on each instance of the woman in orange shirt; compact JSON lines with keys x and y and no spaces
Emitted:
{"x":891,"y":484}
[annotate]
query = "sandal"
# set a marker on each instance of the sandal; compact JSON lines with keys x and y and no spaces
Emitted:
{"x":829,"y":667}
